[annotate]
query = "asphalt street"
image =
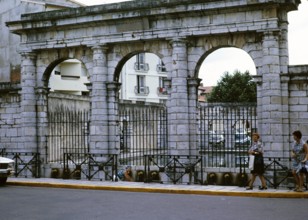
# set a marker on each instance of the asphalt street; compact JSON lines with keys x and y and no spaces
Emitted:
{"x":41,"y":203}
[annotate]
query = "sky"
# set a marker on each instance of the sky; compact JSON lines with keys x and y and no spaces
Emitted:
{"x":231,"y":59}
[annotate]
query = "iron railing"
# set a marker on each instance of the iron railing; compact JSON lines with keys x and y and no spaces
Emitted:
{"x":90,"y":166}
{"x":68,"y":133}
{"x":26,"y":164}
{"x":157,"y":168}
{"x":174,"y":169}
{"x":278,"y":171}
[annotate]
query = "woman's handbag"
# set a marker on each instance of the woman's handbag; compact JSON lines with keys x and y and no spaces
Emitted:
{"x":251,"y":162}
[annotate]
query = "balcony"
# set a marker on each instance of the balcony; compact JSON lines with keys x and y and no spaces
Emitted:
{"x":161,"y":68}
{"x":162,"y":91}
{"x":142,"y":90}
{"x":142,"y":67}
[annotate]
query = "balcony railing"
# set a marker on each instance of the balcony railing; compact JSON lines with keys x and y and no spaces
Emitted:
{"x":162,"y":91}
{"x":144,"y":67}
{"x":142,"y":90}
{"x":161,"y":68}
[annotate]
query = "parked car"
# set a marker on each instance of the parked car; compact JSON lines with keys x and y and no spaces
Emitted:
{"x":242,"y":139}
{"x":216,"y":139}
{"x":6,"y":169}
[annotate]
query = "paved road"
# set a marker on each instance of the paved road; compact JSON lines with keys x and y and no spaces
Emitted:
{"x":19,"y":202}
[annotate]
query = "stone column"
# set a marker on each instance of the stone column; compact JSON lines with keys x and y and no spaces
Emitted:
{"x":42,"y":124}
{"x":284,"y":69}
{"x":29,"y":134}
{"x":285,"y":80}
{"x":113,"y":99}
{"x":193,"y":85}
{"x":99,"y":109}
{"x":178,"y":105}
{"x":271,"y":98}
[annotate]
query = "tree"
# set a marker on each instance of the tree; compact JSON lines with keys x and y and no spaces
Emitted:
{"x":236,"y":87}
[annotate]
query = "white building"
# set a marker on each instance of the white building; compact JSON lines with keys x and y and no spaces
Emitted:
{"x":69,"y":77}
{"x":142,"y":79}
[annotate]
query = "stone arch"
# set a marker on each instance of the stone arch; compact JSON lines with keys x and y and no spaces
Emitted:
{"x":121,"y":53}
{"x":205,"y":46}
{"x":49,"y":59}
{"x":182,"y":33}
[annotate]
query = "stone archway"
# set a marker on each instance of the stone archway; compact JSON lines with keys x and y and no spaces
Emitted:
{"x":183,"y":33}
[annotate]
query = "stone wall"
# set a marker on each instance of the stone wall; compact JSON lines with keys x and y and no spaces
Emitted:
{"x":298,"y":99}
{"x":58,"y":101}
{"x":10,"y":122}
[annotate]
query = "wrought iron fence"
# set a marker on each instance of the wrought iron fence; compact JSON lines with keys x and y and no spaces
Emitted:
{"x":68,"y":133}
{"x":278,"y":171}
{"x":26,"y":164}
{"x":174,"y":168}
{"x":143,"y":130}
{"x":90,"y":166}
{"x":225,"y":132}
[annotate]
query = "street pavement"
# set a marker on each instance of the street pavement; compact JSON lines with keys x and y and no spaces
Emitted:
{"x":157,"y":187}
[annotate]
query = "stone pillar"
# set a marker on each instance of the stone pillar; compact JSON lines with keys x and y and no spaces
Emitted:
{"x":178,"y":105}
{"x":99,"y":109}
{"x":193,"y":85}
{"x":285,"y":80}
{"x":284,"y":69}
{"x":29,"y":134}
{"x":113,"y":97}
{"x":42,"y":124}
{"x":271,"y":98}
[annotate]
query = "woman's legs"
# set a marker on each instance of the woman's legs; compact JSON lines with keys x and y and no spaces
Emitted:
{"x":263,"y":182}
{"x":300,"y":182}
{"x":253,"y":178}
{"x":296,"y":178}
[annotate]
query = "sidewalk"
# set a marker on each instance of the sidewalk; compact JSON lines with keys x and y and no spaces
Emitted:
{"x":157,"y":188}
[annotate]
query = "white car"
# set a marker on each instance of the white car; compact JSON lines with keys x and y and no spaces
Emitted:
{"x":6,"y":169}
{"x":216,"y":139}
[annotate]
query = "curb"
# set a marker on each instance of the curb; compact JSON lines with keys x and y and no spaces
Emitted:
{"x":258,"y":194}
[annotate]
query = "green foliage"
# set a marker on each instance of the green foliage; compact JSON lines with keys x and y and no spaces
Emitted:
{"x":236,"y":87}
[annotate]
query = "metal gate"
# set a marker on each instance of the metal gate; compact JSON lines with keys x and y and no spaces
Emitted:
{"x":143,"y":130}
{"x":225,"y":133}
{"x":68,"y":133}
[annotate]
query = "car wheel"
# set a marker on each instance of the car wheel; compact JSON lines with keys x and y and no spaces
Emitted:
{"x":3,"y":180}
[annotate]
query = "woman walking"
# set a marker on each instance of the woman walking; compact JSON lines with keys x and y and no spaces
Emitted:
{"x":256,"y":149}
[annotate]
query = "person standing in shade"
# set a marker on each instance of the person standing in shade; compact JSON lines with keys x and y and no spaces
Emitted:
{"x":256,"y":149}
{"x":126,"y":175}
{"x":299,"y":155}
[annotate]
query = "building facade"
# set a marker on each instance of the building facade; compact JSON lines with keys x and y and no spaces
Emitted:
{"x":10,"y":58}
{"x":143,"y":79}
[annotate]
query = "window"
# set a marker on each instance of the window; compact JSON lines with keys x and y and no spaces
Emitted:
{"x":162,"y":82}
{"x":140,"y":84}
{"x":140,"y":58}
{"x":161,"y":66}
{"x":140,"y":64}
{"x":140,"y":88}
{"x":162,"y":89}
